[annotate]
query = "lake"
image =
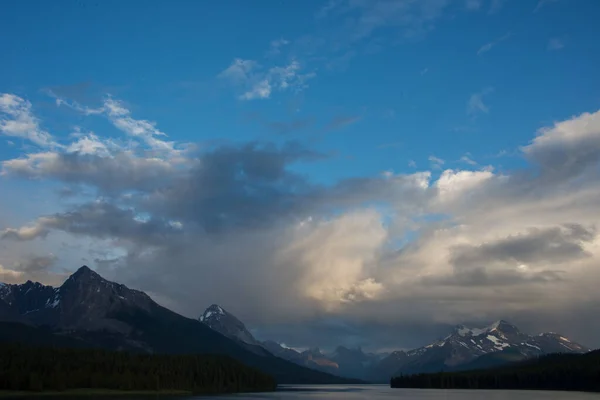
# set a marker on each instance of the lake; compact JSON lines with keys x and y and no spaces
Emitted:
{"x":371,"y":392}
{"x":375,"y":392}
{"x":358,"y":392}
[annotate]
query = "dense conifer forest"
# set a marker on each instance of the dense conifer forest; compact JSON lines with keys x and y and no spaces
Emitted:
{"x":576,"y":372}
{"x":53,"y":369}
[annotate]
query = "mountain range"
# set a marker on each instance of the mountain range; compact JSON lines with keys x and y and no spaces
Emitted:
{"x":90,"y":311}
{"x":464,"y":348}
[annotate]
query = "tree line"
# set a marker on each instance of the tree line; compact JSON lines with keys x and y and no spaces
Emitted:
{"x":57,"y":369}
{"x":574,"y":372}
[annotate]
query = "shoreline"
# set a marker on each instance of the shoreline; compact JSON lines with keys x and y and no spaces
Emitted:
{"x":92,"y":392}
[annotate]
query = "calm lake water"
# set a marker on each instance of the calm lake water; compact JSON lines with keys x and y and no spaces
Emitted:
{"x":374,"y":392}
{"x":359,"y":392}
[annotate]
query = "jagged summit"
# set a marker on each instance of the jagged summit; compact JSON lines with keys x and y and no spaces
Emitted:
{"x":85,"y":273}
{"x":497,"y":326}
{"x":217,"y":318}
{"x":215,"y":311}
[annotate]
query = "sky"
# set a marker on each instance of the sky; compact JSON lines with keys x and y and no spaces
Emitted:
{"x":333,"y":172}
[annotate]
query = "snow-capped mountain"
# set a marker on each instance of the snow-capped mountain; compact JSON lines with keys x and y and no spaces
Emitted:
{"x":495,"y":344}
{"x":465,"y":345}
{"x":227,"y":324}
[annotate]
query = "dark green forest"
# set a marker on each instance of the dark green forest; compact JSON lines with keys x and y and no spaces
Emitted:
{"x":574,"y":372}
{"x":53,"y":369}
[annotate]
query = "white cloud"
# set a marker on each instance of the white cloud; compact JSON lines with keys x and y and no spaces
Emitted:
{"x":436,"y":162}
{"x":21,"y":122}
{"x":467,"y":159}
{"x":276,"y":45}
{"x":260,"y":90}
{"x":456,"y":184}
{"x":475,"y":104}
{"x":240,"y":71}
{"x":257,"y":82}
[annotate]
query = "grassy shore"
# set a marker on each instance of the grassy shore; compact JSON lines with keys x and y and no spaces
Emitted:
{"x":93,"y":392}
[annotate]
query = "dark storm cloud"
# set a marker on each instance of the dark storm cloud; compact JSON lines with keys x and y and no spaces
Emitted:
{"x":550,"y":245}
{"x":239,"y":186}
{"x":568,"y":149}
{"x":100,"y":220}
{"x":120,"y":172}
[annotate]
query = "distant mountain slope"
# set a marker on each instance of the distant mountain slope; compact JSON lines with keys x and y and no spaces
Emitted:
{"x":100,"y":313}
{"x":578,"y":372}
{"x":465,"y":345}
{"x":216,"y":318}
{"x":464,"y":348}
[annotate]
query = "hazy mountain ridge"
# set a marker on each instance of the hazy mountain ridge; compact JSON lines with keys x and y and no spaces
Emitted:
{"x":464,"y":347}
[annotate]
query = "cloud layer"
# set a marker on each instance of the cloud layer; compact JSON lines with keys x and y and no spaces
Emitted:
{"x":236,"y":224}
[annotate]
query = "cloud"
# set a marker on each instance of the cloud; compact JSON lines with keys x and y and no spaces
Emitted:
{"x":556,"y":44}
{"x":20,"y":121}
{"x":34,"y":268}
{"x":568,"y":148}
{"x":110,"y":165}
{"x":363,"y":259}
{"x":257,"y":82}
{"x":436,"y":162}
{"x":467,"y":159}
{"x":488,"y":46}
{"x":545,"y":246}
{"x":276,"y":45}
{"x":475,"y":105}
{"x":365,"y":18}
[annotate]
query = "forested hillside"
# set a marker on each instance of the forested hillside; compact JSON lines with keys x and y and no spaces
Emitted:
{"x":42,"y":369}
{"x":551,"y":372}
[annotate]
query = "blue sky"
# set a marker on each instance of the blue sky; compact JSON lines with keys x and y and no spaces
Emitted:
{"x":405,"y":93}
{"x":351,"y":156}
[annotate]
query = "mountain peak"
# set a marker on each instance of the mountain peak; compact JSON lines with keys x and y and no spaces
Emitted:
{"x":502,"y":326}
{"x":215,"y":311}
{"x":227,"y":324}
{"x":85,"y":275}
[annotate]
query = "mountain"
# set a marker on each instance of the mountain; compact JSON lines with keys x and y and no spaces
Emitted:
{"x":222,"y":321}
{"x":466,"y":347}
{"x":354,"y":363}
{"x":90,"y":311}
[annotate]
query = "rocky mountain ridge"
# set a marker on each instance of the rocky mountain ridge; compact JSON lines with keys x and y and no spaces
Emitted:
{"x":90,"y":311}
{"x":496,"y":343}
